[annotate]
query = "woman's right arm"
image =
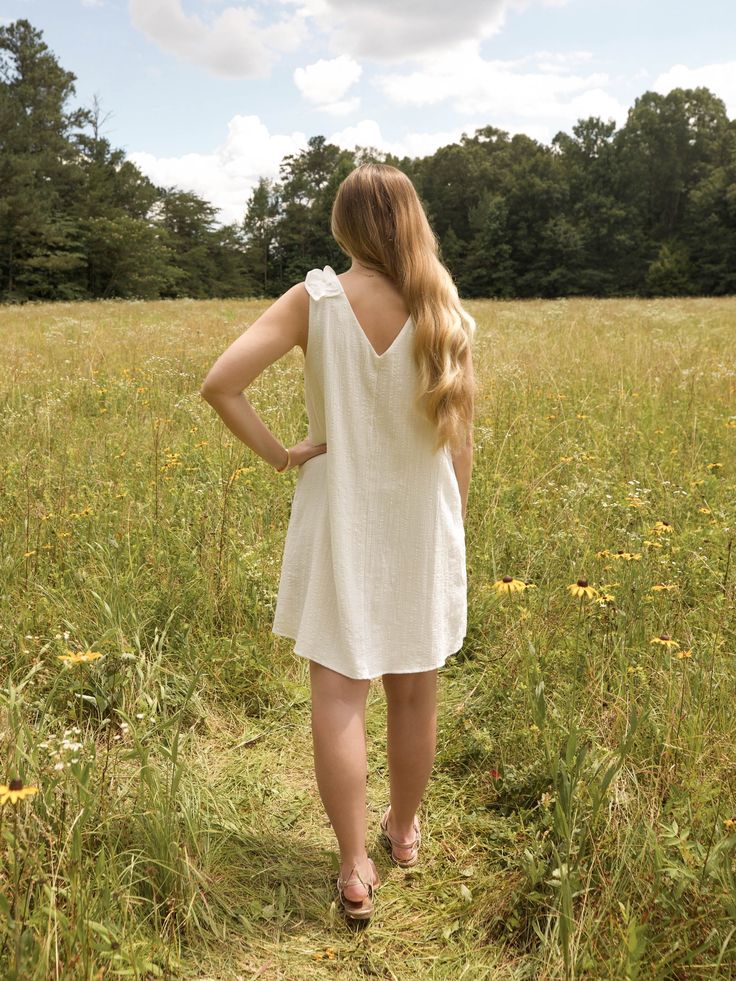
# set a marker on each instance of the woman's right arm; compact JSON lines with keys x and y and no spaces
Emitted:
{"x":462,"y":458}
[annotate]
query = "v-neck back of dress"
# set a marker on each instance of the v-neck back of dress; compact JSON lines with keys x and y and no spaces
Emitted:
{"x":373,"y":576}
{"x":363,"y":331}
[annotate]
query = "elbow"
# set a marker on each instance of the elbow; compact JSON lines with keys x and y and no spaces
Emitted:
{"x":212,"y":395}
{"x":208,"y":391}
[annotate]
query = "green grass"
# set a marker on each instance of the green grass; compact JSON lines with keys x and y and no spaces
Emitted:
{"x":577,"y":820}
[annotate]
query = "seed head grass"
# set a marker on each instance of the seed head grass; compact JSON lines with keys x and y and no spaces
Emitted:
{"x":580,"y":820}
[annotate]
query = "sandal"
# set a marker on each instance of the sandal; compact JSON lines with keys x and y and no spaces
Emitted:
{"x":358,"y":909}
{"x":392,"y":843}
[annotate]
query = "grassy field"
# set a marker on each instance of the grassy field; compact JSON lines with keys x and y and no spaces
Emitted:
{"x":581,"y":818}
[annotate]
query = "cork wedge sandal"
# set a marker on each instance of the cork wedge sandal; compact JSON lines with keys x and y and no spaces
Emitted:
{"x":358,"y":909}
{"x":391,"y":842}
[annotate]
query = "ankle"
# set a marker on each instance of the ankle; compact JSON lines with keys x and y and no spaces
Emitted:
{"x":404,"y":830}
{"x":348,"y":861}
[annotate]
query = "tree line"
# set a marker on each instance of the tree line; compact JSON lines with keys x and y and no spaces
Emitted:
{"x":645,"y":210}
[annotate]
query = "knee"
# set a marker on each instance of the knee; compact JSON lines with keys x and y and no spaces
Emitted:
{"x":412,"y":690}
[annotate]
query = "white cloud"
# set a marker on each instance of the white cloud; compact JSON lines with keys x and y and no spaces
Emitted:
{"x":226,"y":176}
{"x":325,"y":82}
{"x":387,"y":29}
{"x":367,"y":133}
{"x":538,"y":98}
{"x":720,"y":79}
{"x":235,"y":45}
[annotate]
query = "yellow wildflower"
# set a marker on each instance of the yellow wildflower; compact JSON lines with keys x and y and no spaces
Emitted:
{"x":665,"y":640}
{"x":78,"y":657}
{"x":14,"y":791}
{"x":509,"y":585}
{"x":662,"y":528}
{"x":581,"y":589}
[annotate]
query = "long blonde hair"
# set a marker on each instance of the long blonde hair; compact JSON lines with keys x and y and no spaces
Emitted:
{"x":378,"y":219}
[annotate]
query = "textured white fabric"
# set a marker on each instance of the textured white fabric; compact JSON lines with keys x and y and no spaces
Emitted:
{"x":373,"y":575}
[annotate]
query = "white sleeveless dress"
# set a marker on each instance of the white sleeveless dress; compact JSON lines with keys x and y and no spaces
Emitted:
{"x":373,"y":575}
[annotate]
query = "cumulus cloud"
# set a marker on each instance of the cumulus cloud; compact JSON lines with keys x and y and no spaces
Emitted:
{"x":235,"y":44}
{"x":385,"y":29}
{"x":226,"y":176}
{"x":720,"y":79}
{"x":390,"y":30}
{"x":505,"y":90}
{"x":325,"y":82}
{"x":367,"y":133}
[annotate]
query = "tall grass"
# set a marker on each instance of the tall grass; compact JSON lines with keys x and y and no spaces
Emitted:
{"x":580,"y":822}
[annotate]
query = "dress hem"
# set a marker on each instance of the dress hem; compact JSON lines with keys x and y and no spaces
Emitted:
{"x":372,"y":677}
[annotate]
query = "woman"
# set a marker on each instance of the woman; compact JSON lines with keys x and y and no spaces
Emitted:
{"x":373,"y":578}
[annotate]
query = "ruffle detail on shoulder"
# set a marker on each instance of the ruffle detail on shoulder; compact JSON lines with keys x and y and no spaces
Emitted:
{"x":322,"y":282}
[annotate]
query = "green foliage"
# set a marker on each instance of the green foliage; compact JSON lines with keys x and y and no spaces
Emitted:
{"x":649,"y":209}
{"x":580,"y":818}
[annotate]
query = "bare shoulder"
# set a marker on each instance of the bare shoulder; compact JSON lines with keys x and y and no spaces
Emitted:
{"x":291,"y":313}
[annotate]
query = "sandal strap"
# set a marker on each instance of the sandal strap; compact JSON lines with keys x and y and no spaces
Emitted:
{"x":403,"y":844}
{"x":342,"y":883}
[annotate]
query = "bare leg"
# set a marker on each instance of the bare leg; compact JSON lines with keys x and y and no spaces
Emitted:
{"x":411,"y":701}
{"x":338,"y":736}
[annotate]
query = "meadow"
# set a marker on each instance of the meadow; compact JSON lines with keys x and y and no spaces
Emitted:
{"x":161,"y":816}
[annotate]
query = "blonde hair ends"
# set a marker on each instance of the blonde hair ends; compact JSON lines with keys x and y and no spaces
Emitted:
{"x":378,"y":219}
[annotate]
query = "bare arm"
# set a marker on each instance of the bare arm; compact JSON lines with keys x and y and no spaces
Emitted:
{"x":462,"y":459}
{"x":270,"y":337}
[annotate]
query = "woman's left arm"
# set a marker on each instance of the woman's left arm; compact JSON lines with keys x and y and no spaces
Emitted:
{"x":268,"y":338}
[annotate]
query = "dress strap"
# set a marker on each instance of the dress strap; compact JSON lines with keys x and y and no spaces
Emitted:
{"x":322,"y":282}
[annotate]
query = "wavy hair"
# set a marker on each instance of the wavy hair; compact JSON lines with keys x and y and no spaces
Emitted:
{"x":378,"y":218}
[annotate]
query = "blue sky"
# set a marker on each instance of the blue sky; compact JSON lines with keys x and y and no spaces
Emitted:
{"x":211,"y":94}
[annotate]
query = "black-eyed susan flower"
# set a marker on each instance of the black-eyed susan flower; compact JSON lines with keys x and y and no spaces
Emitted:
{"x":14,"y":791}
{"x":626,"y":556}
{"x":662,"y":528}
{"x":581,"y":589}
{"x":79,"y":657}
{"x":652,"y":544}
{"x":509,"y":585}
{"x":715,"y":466}
{"x":665,"y":640}
{"x":658,"y":587}
{"x":729,"y":824}
{"x":604,"y":553}
{"x":682,"y":654}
